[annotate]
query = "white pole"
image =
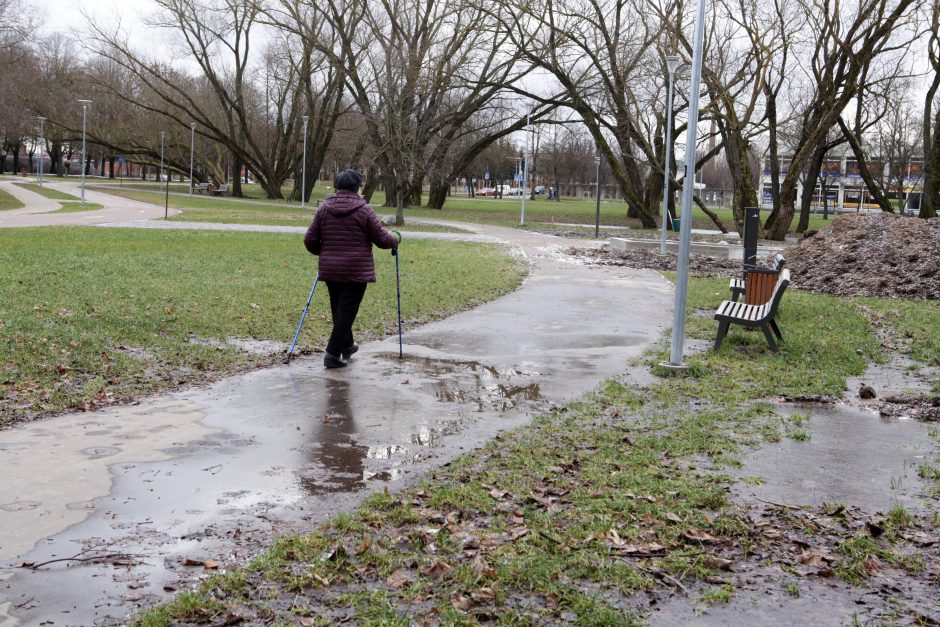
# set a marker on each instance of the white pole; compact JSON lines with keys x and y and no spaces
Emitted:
{"x":42,"y":147}
{"x":303,"y":168}
{"x":682,"y":265}
{"x":525,"y":166}
{"x":671,"y":63}
{"x":85,"y":104}
{"x":192,"y":148}
{"x":160,"y":176}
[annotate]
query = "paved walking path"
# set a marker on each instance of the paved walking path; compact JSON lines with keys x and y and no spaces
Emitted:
{"x":216,"y":473}
{"x":36,"y":211}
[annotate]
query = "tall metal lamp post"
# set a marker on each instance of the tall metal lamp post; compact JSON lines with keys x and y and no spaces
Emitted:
{"x":192,"y":149}
{"x":672,"y":62}
{"x":682,"y":264}
{"x":597,"y":207}
{"x":85,"y":104}
{"x":525,"y":167}
{"x":303,"y":168}
{"x":42,"y":143}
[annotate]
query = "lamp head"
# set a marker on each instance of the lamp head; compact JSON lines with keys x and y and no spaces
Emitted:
{"x":672,"y":62}
{"x":306,"y":119}
{"x":85,"y":103}
{"x":192,"y":125}
{"x":41,"y":119}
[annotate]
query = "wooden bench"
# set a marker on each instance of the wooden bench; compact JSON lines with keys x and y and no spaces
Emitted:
{"x":761,"y":286}
{"x":222,"y":190}
{"x":201,"y":187}
{"x":752,"y":316}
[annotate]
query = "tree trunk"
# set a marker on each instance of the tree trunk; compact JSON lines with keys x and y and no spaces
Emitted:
{"x":112,"y":160}
{"x":438,"y":194}
{"x":15,"y":149}
{"x":400,"y":204}
{"x":778,"y":224}
{"x":809,"y":187}
{"x":391,"y":190}
{"x":237,"y":178}
{"x":372,"y":183}
{"x":415,"y":188}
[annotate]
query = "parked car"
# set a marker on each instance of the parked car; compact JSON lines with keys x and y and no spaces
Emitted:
{"x":486,"y":191}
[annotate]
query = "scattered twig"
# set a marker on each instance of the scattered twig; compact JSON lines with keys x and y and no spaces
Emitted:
{"x":658,"y":573}
{"x":784,"y":505}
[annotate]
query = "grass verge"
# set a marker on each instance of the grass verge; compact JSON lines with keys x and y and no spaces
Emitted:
{"x":479,"y":210}
{"x":47,"y":192}
{"x":566,"y":520}
{"x":76,"y":207}
{"x":233,"y":211}
{"x":8,"y":201}
{"x":96,"y":316}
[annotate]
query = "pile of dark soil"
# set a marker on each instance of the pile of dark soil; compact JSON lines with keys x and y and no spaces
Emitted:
{"x":870,"y":255}
{"x":649,"y":258}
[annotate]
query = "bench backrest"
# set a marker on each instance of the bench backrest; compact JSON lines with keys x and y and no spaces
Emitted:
{"x":223,"y":187}
{"x":782,"y":282}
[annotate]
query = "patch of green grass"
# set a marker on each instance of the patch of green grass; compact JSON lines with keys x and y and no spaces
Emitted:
{"x":48,"y":192}
{"x":7,"y":201}
{"x":793,"y":589}
{"x":800,"y":435}
{"x":76,"y":207}
{"x":861,"y":558}
{"x":95,"y":316}
{"x":914,"y":324}
{"x":719,"y":595}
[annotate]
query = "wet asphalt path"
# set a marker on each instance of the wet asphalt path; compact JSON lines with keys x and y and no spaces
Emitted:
{"x":142,"y":495}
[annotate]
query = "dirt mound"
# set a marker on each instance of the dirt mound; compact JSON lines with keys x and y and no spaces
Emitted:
{"x":870,"y":255}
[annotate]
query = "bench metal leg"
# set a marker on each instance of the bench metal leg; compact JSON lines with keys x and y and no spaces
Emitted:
{"x":776,"y":329}
{"x":770,"y":338}
{"x":722,"y":332}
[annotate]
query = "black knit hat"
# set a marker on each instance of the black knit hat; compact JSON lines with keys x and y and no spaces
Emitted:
{"x":348,"y":180}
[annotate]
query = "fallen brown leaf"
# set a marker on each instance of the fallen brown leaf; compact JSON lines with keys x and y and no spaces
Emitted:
{"x":438,"y":569}
{"x":399,"y":578}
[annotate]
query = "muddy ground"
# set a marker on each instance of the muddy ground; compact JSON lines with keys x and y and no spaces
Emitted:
{"x":870,"y":255}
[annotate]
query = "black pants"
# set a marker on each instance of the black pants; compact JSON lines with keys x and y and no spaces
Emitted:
{"x":345,"y":299}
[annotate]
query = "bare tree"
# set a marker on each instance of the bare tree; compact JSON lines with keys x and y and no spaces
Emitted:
{"x":931,"y":124}
{"x":844,"y":43}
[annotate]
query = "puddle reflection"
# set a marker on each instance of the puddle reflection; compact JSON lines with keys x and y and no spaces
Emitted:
{"x":333,"y":445}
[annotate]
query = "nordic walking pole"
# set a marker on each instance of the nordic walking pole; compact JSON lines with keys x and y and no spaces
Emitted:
{"x":395,"y":252}
{"x":302,"y":318}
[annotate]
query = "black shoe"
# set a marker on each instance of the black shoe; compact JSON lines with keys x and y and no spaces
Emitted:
{"x":332,"y":361}
{"x":350,"y":350}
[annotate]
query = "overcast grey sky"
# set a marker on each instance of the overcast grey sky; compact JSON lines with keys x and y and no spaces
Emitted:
{"x":66,"y":15}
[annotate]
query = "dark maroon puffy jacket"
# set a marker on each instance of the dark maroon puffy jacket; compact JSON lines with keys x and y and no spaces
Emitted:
{"x":347,"y":227}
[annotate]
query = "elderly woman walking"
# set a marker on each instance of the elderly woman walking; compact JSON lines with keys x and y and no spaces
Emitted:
{"x":342,"y":233}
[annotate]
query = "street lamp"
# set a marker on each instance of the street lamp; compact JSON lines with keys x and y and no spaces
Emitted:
{"x":303,"y":168}
{"x":42,"y":142}
{"x":166,"y":203}
{"x":85,"y":104}
{"x":525,"y":166}
{"x":597,"y":214}
{"x":672,"y":62}
{"x":192,"y":147}
{"x":682,"y":264}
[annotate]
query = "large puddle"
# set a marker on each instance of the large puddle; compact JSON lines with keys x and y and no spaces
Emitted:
{"x":852,"y":456}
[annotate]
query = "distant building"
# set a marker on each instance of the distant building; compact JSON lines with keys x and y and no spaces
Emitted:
{"x":840,"y":188}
